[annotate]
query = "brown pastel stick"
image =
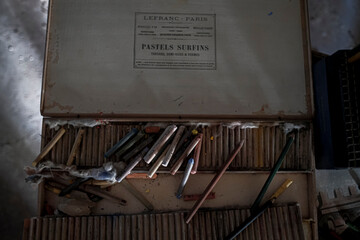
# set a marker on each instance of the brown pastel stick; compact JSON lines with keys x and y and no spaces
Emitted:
{"x":197,"y":152}
{"x":194,"y":197}
{"x":186,"y":153}
{"x":213,"y":182}
{"x":75,"y":147}
{"x":49,"y":146}
{"x":152,"y":129}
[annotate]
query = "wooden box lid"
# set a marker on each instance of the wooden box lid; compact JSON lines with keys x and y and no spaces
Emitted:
{"x":177,"y":59}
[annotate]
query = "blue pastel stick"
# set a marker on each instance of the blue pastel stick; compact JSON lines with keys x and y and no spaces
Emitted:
{"x":185,"y":178}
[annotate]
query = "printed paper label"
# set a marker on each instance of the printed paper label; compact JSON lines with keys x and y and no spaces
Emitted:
{"x":175,"y":41}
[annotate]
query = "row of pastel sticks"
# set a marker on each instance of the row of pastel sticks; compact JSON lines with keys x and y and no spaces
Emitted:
{"x":281,"y":222}
{"x":261,"y":149}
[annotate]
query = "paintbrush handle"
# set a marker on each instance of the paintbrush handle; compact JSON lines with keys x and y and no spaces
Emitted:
{"x":213,"y":182}
{"x":272,"y":174}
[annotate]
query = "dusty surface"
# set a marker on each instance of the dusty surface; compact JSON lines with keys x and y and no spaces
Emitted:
{"x":21,"y":52}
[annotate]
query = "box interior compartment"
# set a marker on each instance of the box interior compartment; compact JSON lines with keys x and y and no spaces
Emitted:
{"x":263,"y":143}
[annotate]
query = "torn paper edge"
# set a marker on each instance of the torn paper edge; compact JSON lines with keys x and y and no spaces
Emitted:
{"x":56,"y":123}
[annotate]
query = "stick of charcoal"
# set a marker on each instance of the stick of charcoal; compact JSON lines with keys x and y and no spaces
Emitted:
{"x":183,"y":147}
{"x":121,"y":143}
{"x":131,"y":165}
{"x":73,"y":186}
{"x":49,"y":146}
{"x":213,"y":182}
{"x":131,"y":143}
{"x":138,"y":148}
{"x":159,"y":143}
{"x":187,"y":135}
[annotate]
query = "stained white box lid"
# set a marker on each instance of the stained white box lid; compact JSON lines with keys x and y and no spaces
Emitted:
{"x":189,"y":59}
